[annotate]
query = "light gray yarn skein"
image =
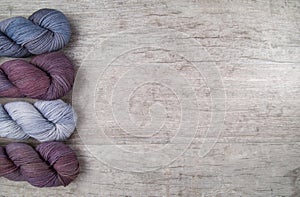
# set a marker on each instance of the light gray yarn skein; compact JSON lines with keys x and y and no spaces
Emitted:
{"x":44,"y":120}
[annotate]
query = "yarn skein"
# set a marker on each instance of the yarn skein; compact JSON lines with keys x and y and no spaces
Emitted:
{"x":51,"y":164}
{"x":44,"y":31}
{"x":48,"y":76}
{"x":44,"y":120}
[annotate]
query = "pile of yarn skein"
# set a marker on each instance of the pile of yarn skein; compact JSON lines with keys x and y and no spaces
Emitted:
{"x":48,"y":76}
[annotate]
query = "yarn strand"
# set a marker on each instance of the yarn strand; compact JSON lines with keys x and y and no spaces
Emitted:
{"x":51,"y":164}
{"x":48,"y":76}
{"x":44,"y":120}
{"x":44,"y":31}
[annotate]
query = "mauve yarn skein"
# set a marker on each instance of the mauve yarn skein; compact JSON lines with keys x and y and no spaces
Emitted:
{"x":51,"y":164}
{"x":44,"y":120}
{"x":48,"y":76}
{"x":44,"y":31}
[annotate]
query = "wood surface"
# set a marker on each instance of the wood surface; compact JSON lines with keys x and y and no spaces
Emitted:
{"x":180,"y":98}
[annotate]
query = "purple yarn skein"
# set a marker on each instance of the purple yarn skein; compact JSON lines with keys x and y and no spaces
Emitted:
{"x":48,"y":76}
{"x":51,"y":164}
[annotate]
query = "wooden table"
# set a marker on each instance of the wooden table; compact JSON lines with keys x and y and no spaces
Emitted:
{"x":180,"y":98}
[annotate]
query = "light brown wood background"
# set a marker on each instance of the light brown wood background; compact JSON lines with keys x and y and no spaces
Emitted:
{"x":254,"y":44}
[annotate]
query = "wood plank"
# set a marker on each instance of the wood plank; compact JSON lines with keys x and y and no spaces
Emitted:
{"x":254,"y":45}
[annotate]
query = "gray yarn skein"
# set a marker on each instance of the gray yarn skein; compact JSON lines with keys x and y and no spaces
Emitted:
{"x":44,"y":120}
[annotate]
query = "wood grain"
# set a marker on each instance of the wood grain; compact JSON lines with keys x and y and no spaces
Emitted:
{"x":255,"y":47}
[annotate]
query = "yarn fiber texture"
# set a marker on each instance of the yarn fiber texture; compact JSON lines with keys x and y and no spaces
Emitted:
{"x":48,"y":76}
{"x":51,"y":164}
{"x":44,"y":31}
{"x":44,"y":120}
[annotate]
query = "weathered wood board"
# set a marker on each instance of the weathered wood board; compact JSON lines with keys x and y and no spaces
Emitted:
{"x":180,"y":98}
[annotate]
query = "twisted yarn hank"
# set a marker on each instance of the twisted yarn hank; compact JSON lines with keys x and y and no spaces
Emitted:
{"x":44,"y":31}
{"x":47,"y":76}
{"x":44,"y":120}
{"x":51,"y":164}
